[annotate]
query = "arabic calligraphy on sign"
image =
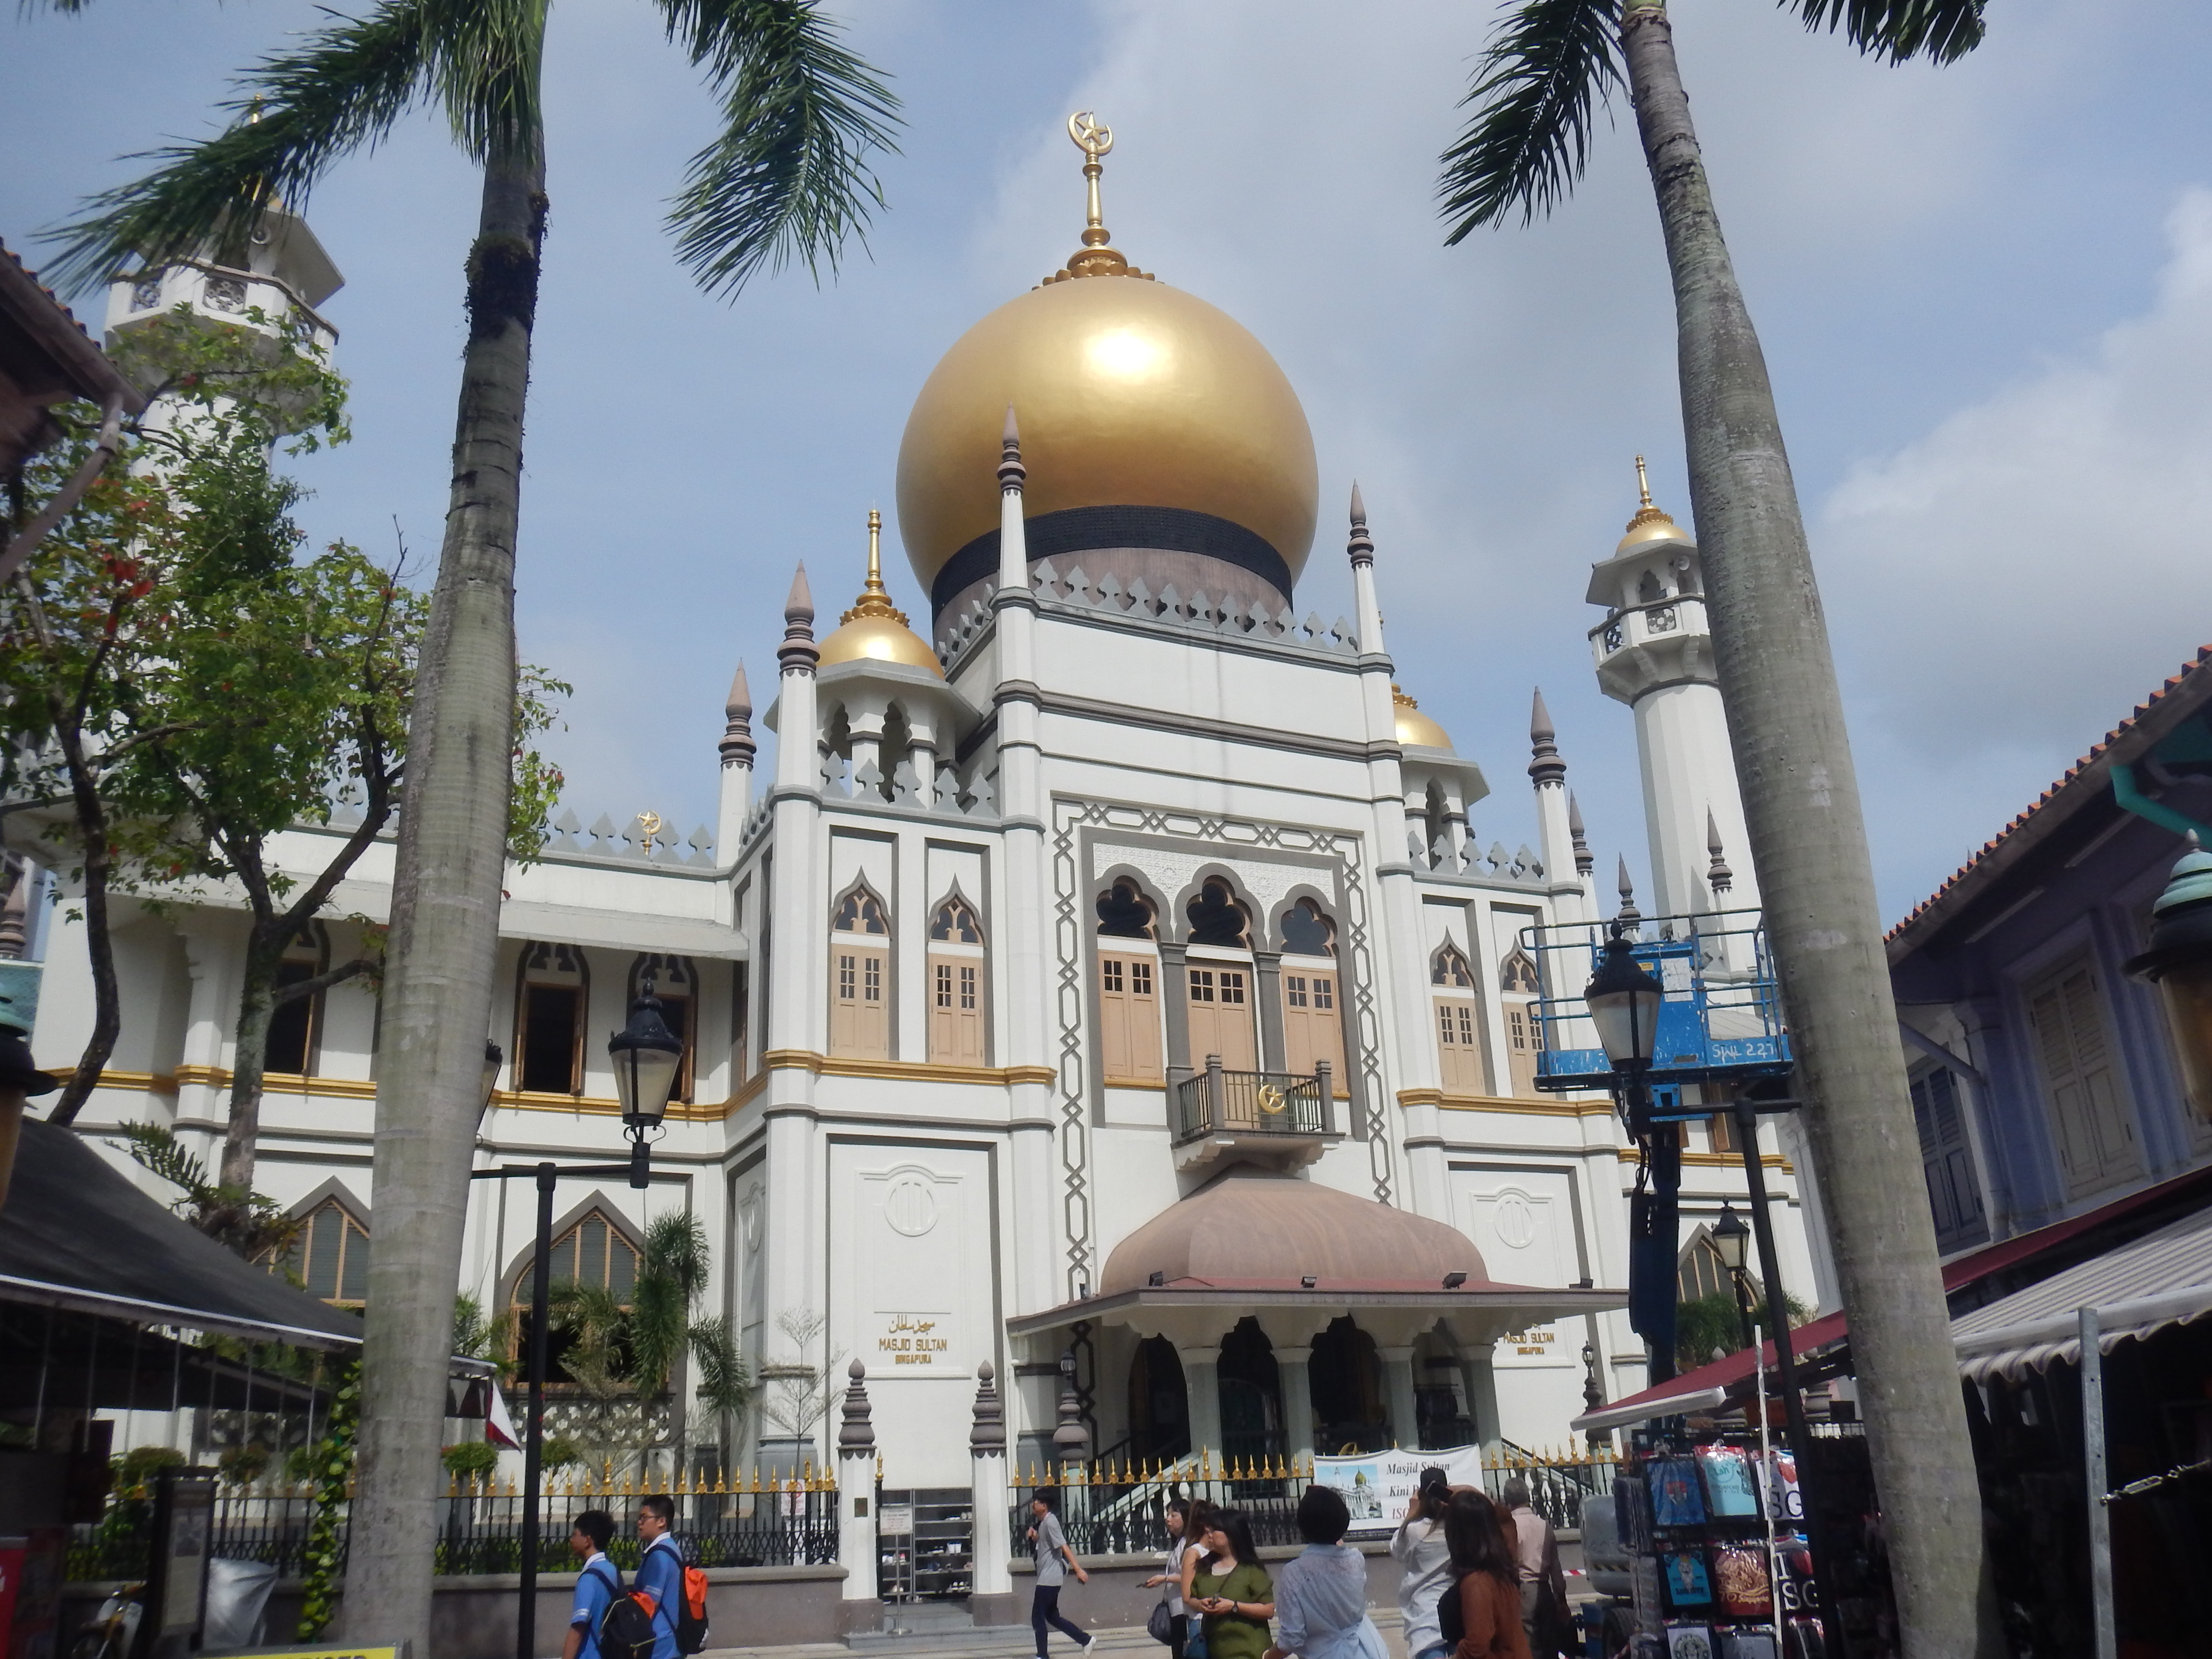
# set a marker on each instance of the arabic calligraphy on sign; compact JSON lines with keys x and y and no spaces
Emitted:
{"x":909,"y":1340}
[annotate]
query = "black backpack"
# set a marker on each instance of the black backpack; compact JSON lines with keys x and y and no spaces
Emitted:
{"x":1451,"y":1613}
{"x":625,"y":1628}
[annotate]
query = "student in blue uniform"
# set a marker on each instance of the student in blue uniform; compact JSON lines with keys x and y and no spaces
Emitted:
{"x":660,"y":1571}
{"x":596,"y":1584}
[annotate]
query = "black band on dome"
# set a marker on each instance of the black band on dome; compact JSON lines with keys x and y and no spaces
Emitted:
{"x":1083,"y":529}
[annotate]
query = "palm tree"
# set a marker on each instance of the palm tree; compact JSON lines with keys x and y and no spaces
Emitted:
{"x":1523,"y":149}
{"x":787,"y":176}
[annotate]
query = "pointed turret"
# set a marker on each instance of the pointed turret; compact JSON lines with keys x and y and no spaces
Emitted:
{"x":1367,"y":607}
{"x":737,"y":745}
{"x":1628,"y":915}
{"x":1718,"y":877}
{"x":1585,"y":860}
{"x":1361,"y":545}
{"x":799,"y":623}
{"x":1546,"y":766}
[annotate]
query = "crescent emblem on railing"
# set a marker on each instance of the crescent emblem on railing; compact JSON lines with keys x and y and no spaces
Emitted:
{"x":1271,"y":1097}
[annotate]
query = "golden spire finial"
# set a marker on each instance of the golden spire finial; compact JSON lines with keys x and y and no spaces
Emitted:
{"x":1096,"y":258}
{"x":875,"y":599}
{"x":1646,"y":513}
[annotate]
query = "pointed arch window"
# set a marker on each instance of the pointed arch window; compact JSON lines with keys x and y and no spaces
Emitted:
{"x":1217,"y":918}
{"x":676,"y":982}
{"x":1130,"y":1043}
{"x":1312,"y":995}
{"x":295,"y":1026}
{"x":1459,"y":1022}
{"x":552,"y":997}
{"x":329,"y":1255}
{"x":1524,"y":1029}
{"x":860,"y":978}
{"x":596,"y":1252}
{"x":958,"y":1026}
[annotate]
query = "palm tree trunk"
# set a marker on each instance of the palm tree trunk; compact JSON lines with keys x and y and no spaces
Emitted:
{"x":1809,"y":837}
{"x":444,"y":931}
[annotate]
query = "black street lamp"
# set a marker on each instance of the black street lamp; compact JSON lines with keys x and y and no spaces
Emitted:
{"x":646,"y":1058}
{"x":1624,"y":1005}
{"x":2179,"y":962}
{"x":1623,"y":1001}
{"x":1732,"y":1244}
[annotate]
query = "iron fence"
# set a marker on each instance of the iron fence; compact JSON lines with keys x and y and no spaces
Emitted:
{"x":749,"y":1524}
{"x":1217,"y":1102}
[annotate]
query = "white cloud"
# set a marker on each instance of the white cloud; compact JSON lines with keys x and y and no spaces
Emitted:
{"x":2012,"y":583}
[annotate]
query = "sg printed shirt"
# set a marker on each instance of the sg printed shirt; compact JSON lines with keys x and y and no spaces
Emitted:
{"x":661,"y":1575}
{"x":595,"y":1593}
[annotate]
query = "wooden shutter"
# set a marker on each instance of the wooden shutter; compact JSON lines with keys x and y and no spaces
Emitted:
{"x":1524,"y":1040}
{"x":1312,"y":1022}
{"x":1955,"y":1195}
{"x":1459,"y":1046}
{"x":1128,"y":1019}
{"x":2096,"y":1133}
{"x":860,"y":1000}
{"x":955,"y":1010}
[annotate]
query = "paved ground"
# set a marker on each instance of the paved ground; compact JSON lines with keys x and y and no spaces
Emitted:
{"x":1015,"y":1643}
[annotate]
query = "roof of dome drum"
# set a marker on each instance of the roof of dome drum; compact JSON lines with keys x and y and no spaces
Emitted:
{"x":1247,"y":1227}
{"x":1130,"y":396}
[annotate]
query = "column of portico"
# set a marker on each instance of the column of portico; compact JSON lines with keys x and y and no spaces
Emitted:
{"x":1202,"y":1383}
{"x":1397,"y":1359}
{"x":1291,"y":1333}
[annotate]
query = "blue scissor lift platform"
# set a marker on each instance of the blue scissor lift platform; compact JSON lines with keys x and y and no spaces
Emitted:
{"x":1720,"y":1012}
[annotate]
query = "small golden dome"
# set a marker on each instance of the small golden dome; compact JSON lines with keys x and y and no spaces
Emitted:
{"x":1129,"y":393}
{"x":1649,"y":524}
{"x":874,"y":626}
{"x":1414,"y":727}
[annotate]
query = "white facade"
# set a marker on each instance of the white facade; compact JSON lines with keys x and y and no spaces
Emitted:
{"x":917,"y":1141}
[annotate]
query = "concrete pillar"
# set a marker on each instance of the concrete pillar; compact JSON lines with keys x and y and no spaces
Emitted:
{"x":1201,"y":1381}
{"x":991,"y":1598}
{"x":1398,"y":1394}
{"x":1268,"y":990}
{"x":1294,"y":1371}
{"x":863,"y":1609}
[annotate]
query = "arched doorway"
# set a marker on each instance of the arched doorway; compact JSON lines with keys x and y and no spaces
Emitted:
{"x":1346,"y":1376}
{"x":1251,"y":1394}
{"x":1159,"y":1407}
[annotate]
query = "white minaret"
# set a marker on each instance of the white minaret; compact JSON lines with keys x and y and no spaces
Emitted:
{"x":1558,"y":822}
{"x":737,"y":750}
{"x":1655,"y":653}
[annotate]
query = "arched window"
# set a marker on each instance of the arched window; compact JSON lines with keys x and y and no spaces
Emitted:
{"x":1649,"y":589}
{"x":294,"y":1026}
{"x":860,"y":978}
{"x":1313,"y":1014}
{"x":1459,"y":1023}
{"x":552,"y":997}
{"x":329,"y":1255}
{"x":1129,"y":1040}
{"x":676,"y":982}
{"x":1219,"y":991}
{"x":595,"y":1252}
{"x":957,"y":1022}
{"x":1216,"y":917}
{"x":1124,"y":912}
{"x":1524,"y":1029}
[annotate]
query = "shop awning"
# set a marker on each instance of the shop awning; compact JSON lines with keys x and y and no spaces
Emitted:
{"x":2160,"y":1280}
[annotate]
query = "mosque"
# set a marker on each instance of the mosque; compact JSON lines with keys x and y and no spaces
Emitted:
{"x":1106,"y":965}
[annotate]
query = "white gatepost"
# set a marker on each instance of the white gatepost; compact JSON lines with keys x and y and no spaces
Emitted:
{"x":863,"y":1609}
{"x":991,"y":1598}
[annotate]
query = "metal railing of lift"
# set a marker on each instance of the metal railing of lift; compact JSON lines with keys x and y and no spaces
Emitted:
{"x":1221,"y":1102}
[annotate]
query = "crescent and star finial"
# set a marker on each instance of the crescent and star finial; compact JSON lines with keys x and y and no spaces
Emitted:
{"x":1094,"y":139}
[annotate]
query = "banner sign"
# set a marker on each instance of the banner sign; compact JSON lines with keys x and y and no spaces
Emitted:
{"x":1378,"y":1487}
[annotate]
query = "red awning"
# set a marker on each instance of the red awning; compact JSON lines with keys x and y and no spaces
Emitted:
{"x":1697,"y":1391}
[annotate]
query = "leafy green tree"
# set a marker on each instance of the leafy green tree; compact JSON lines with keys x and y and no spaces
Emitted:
{"x":236,"y":1216}
{"x":786,"y":177}
{"x":1522,"y":151}
{"x":623,"y":1357}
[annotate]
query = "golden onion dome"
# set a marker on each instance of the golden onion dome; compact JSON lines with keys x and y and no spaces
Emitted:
{"x":1650,"y":525}
{"x":1414,"y":727}
{"x":874,"y":626}
{"x":1127,"y":393}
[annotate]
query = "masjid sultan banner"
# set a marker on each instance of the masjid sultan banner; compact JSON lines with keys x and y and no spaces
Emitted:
{"x":1377,"y":1487}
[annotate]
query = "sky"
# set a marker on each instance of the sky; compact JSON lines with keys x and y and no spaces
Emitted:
{"x":1984,"y":293}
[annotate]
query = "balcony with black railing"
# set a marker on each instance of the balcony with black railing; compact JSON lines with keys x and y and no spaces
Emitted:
{"x":1284,"y":1118}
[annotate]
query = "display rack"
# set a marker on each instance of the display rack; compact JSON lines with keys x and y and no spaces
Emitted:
{"x":925,"y":1543}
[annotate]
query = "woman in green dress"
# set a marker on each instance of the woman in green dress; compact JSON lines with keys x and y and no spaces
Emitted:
{"x":1232,"y":1589}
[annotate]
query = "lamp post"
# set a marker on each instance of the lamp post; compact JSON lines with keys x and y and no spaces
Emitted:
{"x":1732,"y":1244}
{"x":2179,"y":962}
{"x":1623,"y":1001}
{"x":646,"y":1057}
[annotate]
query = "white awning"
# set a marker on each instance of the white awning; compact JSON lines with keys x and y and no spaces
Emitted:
{"x":1606,"y":1418}
{"x":2162,"y":1279}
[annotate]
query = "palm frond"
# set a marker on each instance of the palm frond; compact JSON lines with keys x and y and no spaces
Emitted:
{"x":725,"y":1384}
{"x":787,"y":177}
{"x":292,"y":115}
{"x":483,"y":58}
{"x":1941,"y":30}
{"x":1526,"y":144}
{"x":659,"y":1310}
{"x":154,"y":1148}
{"x":676,"y":1245}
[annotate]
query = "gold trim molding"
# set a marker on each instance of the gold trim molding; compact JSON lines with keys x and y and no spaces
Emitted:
{"x":1510,"y":1105}
{"x":902,"y":1071}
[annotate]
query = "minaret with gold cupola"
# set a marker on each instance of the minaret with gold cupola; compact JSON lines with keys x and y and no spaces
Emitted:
{"x":1654,"y":652}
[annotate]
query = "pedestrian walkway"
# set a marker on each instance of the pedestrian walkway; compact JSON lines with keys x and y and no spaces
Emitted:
{"x":1009,"y":1642}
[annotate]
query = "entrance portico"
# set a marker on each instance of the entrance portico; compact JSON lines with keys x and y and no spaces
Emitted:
{"x":1268,"y":1314}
